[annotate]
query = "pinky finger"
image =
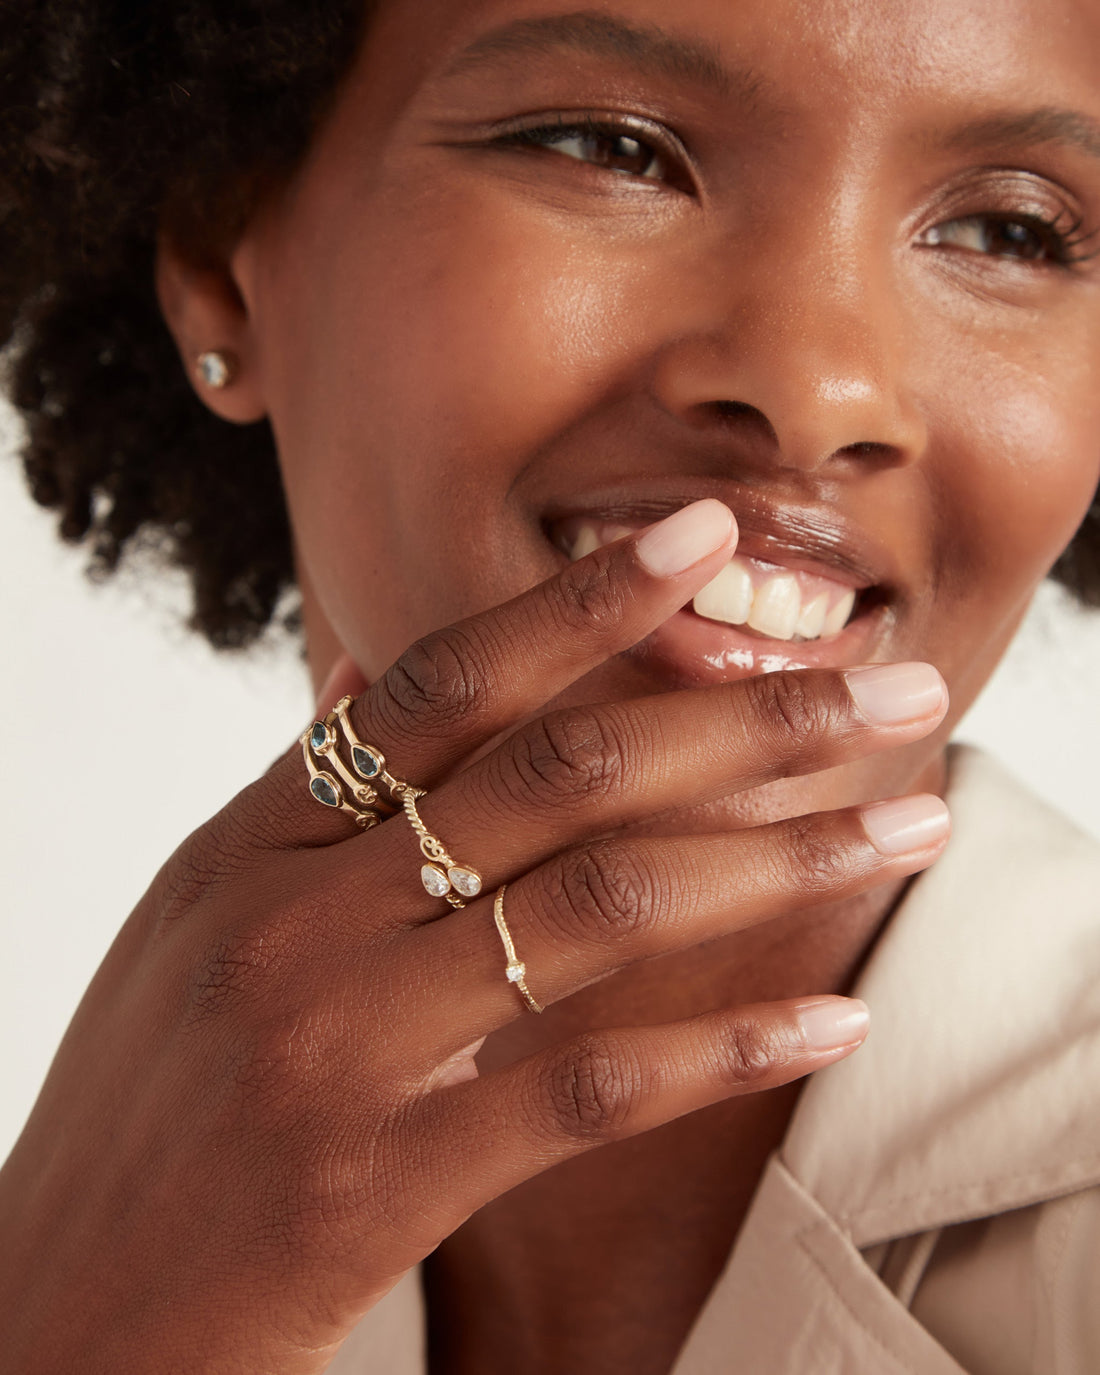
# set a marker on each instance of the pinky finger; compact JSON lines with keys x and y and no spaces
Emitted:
{"x":492,"y":1133}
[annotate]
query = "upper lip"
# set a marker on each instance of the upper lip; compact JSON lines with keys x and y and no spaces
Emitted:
{"x":811,"y":538}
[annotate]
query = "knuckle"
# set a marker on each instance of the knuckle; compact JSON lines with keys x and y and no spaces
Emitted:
{"x":818,"y":864}
{"x":437,"y":683}
{"x":753,"y":1051}
{"x":351,"y":1179}
{"x":204,"y":865}
{"x":592,"y":598}
{"x":242,"y":965}
{"x":605,"y":894}
{"x":567,"y":757}
{"x":279,"y":1054}
{"x":590,"y":1092}
{"x":794,"y":707}
{"x":228,"y":972}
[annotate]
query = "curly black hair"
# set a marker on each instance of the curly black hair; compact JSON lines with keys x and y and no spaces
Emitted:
{"x":118,"y":120}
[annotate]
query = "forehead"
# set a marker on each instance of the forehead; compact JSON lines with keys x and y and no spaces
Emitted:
{"x":809,"y":52}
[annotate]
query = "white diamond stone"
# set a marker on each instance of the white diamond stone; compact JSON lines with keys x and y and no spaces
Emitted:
{"x":214,"y":369}
{"x":435,"y":881}
{"x":465,"y":881}
{"x":515,"y":972}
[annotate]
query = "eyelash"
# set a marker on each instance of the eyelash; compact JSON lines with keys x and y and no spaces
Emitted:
{"x":1063,"y":245}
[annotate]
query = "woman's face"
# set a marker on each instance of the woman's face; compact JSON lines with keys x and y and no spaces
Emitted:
{"x":547,"y":274}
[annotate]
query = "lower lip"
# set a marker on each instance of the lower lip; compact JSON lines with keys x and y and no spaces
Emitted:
{"x":694,"y":651}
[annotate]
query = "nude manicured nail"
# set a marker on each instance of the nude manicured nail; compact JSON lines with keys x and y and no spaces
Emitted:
{"x":834,"y":1023}
{"x":906,"y":823}
{"x":685,"y":537}
{"x":889,"y":694}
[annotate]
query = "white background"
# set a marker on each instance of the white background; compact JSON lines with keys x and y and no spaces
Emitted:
{"x":124,"y":732}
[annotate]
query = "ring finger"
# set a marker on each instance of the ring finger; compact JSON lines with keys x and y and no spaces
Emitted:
{"x":594,"y":910}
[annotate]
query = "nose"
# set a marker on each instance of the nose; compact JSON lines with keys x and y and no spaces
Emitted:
{"x":805,"y":347}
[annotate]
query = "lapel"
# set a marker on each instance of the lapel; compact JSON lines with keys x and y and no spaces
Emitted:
{"x":973,"y":1095}
{"x":975,"y":1092}
{"x":797,"y":1298}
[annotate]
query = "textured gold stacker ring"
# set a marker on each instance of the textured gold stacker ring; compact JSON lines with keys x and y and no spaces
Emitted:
{"x":516,"y":970}
{"x":442,"y":877}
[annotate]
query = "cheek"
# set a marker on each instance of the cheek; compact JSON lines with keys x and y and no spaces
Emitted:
{"x":415,"y":371}
{"x":1016,"y":467}
{"x":488,"y":337}
{"x":1036,"y":443}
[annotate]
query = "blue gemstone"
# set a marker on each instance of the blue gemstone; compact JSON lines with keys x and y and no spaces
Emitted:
{"x":318,"y":736}
{"x":324,"y":791}
{"x":366,"y":764}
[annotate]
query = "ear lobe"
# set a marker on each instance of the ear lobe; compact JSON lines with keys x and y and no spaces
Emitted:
{"x":205,"y":313}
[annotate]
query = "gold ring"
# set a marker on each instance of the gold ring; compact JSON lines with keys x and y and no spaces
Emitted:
{"x":516,"y":969}
{"x":333,"y":790}
{"x":369,"y":761}
{"x":353,"y":790}
{"x":442,"y":877}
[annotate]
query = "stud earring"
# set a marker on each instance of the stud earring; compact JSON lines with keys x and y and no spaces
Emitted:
{"x":216,"y":367}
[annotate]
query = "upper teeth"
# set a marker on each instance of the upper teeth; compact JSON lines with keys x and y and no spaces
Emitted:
{"x":776,"y":602}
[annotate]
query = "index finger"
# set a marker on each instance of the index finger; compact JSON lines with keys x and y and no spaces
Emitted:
{"x":461,"y":686}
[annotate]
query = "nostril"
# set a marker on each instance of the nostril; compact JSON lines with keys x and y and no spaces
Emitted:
{"x":742,"y":411}
{"x":734,"y":409}
{"x":869,"y":448}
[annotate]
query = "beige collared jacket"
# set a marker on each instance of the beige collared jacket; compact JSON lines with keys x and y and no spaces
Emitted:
{"x":935,"y":1205}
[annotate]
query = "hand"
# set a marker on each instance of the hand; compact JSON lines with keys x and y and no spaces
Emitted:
{"x":267,"y":1109}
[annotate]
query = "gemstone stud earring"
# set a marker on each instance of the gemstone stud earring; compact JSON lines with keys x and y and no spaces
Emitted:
{"x":216,"y":368}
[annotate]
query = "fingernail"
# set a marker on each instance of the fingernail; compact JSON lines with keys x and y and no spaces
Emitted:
{"x":833,"y":1023}
{"x":888,"y":694}
{"x":906,"y":823}
{"x":685,"y":537}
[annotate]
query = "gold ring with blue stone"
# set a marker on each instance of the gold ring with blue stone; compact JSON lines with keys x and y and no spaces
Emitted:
{"x":338,"y":791}
{"x":352,"y":790}
{"x":368,"y":761}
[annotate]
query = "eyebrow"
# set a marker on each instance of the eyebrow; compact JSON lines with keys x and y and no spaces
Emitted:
{"x":594,"y":34}
{"x":1070,"y":128}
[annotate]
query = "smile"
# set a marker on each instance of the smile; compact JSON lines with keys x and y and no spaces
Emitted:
{"x":775,"y":601}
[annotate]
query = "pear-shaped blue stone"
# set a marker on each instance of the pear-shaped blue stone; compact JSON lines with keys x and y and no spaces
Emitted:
{"x":366,"y":764}
{"x":318,"y":736}
{"x":324,"y":791}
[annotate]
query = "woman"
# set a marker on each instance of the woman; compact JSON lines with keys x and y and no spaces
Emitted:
{"x":517,"y":304}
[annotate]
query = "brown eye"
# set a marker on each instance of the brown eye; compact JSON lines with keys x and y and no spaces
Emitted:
{"x":1032,"y":241}
{"x":615,"y":150}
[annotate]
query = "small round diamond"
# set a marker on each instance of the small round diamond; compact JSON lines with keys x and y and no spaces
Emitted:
{"x":515,"y":972}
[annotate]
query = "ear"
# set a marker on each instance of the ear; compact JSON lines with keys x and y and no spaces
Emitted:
{"x":205,"y":310}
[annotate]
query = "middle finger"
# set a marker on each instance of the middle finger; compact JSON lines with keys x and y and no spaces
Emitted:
{"x":586,"y":770}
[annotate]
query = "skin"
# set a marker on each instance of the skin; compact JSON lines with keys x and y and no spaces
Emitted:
{"x":457,"y":344}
